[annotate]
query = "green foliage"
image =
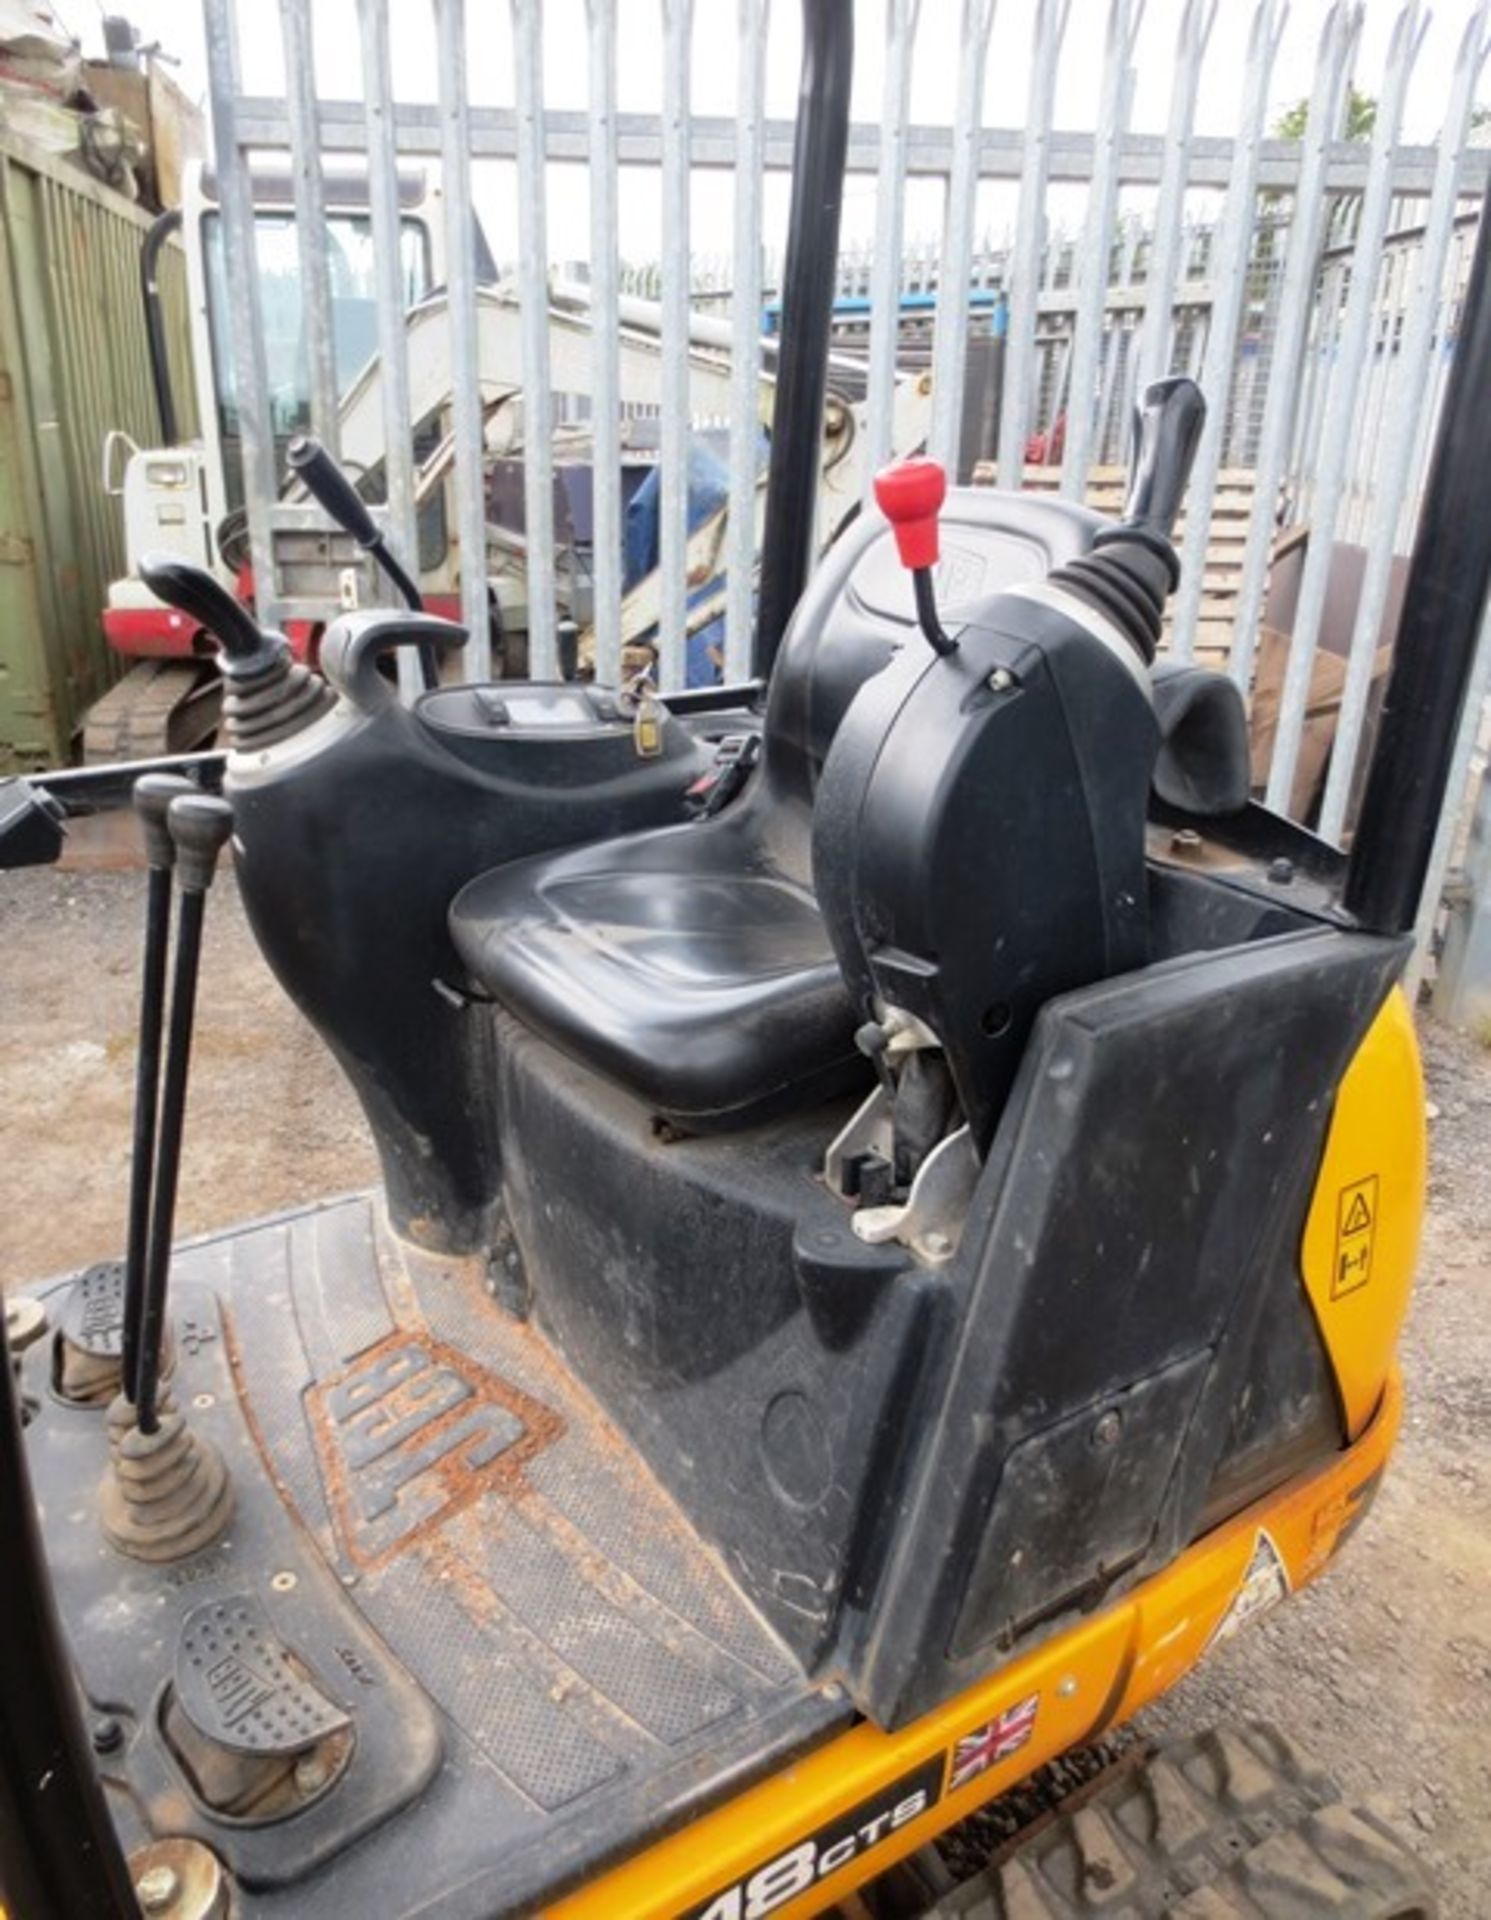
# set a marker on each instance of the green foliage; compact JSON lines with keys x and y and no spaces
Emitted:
{"x":1361,"y":118}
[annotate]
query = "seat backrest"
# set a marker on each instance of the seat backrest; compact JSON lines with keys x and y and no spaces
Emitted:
{"x":853,"y":618}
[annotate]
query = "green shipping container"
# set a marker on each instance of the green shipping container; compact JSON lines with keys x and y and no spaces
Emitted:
{"x":73,"y":364}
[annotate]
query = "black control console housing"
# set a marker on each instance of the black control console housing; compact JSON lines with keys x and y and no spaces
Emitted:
{"x":978,"y":843}
{"x":353,"y":838}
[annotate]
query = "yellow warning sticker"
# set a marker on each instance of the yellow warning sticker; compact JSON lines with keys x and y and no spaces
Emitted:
{"x":1356,"y":1230}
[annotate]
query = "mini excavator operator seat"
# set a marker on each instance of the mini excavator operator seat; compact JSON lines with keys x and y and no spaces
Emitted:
{"x":690,"y":963}
{"x":973,"y":843}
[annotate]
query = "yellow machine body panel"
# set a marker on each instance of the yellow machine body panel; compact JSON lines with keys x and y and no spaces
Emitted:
{"x":808,"y":1836}
{"x":1362,"y":1232}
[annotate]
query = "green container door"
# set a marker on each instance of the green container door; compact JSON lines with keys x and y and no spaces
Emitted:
{"x":74,"y":363}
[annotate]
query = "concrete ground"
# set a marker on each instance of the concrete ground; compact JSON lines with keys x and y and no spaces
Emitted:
{"x":1383,"y":1669}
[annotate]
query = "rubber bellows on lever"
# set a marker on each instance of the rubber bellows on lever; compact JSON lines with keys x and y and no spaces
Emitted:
{"x":268,"y":695}
{"x":1132,"y":569}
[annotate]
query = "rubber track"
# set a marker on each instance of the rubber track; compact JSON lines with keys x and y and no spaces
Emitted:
{"x":1234,"y":1824}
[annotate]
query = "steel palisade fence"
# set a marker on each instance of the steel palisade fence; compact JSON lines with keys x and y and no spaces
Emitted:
{"x":1323,"y":318}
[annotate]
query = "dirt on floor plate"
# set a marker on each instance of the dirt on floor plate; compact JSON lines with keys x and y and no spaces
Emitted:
{"x":1382,"y":1668}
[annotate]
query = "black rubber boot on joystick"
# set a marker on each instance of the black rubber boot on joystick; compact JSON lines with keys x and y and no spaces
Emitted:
{"x":267,"y":694}
{"x":167,"y":1493}
{"x":1132,"y":569}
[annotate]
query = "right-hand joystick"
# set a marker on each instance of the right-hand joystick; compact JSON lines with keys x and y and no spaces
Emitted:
{"x":1167,"y":426}
{"x":1132,"y":569}
{"x":910,"y":495}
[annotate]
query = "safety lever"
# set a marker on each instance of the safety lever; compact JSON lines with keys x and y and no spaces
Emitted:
{"x":910,"y":494}
{"x":314,"y":467}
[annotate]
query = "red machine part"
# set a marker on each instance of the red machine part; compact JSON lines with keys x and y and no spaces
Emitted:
{"x":910,"y":495}
{"x":153,"y":633}
{"x":161,"y":633}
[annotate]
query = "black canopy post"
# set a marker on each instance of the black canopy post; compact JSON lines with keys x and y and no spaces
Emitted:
{"x":1443,"y":603}
{"x":808,"y":280}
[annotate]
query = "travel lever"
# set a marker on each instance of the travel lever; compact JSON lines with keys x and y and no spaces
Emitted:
{"x":198,"y":825}
{"x":167,"y":1492}
{"x":153,"y":796}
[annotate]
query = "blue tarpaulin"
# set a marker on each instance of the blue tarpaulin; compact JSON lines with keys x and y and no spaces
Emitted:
{"x":709,"y":491}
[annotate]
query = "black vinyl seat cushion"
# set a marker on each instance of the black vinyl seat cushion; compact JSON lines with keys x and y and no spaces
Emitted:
{"x":678,"y":962}
{"x":692,"y":963}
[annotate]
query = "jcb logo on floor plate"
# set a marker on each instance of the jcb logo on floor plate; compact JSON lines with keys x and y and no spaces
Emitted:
{"x":824,"y":1852}
{"x":410,"y":1434}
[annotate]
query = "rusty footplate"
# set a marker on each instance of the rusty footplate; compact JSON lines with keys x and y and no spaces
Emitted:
{"x":410,"y":1434}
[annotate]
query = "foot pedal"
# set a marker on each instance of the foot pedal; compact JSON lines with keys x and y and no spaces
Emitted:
{"x":89,"y":1350}
{"x":256,"y":1736}
{"x":238,"y":1686}
{"x":90,"y":1336}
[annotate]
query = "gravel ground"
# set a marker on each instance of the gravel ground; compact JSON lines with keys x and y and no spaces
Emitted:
{"x":270,"y":1123}
{"x":1382,"y":1669}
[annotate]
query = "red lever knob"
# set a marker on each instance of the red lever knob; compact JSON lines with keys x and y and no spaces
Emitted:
{"x":910,"y":495}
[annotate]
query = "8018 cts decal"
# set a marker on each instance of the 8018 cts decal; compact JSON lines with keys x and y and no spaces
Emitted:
{"x":824,"y":1852}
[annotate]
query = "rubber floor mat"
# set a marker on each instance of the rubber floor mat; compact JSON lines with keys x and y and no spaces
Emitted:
{"x":542,"y":1664}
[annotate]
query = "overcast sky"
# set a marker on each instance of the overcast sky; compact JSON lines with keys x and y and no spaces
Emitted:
{"x":177,"y":24}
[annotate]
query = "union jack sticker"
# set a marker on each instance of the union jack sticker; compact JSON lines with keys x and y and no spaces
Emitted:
{"x":976,"y":1752}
